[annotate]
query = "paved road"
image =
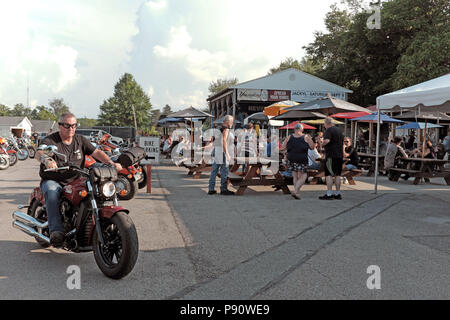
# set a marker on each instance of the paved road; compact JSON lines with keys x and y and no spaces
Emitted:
{"x":263,"y":245}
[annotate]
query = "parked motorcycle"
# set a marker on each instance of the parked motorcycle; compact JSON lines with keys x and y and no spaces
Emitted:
{"x":26,"y":144}
{"x":133,"y":176}
{"x":89,"y":223}
{"x":22,"y":153}
{"x":7,"y":151}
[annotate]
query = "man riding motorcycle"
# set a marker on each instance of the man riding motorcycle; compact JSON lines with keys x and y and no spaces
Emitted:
{"x":75,"y":147}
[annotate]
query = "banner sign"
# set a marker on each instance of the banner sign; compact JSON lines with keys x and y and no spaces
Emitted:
{"x":307,"y":95}
{"x":252,"y":95}
{"x":279,"y":95}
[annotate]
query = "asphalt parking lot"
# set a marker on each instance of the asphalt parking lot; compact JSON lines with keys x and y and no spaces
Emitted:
{"x":262,"y":245}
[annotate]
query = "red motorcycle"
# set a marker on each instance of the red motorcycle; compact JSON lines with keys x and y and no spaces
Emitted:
{"x":90,"y":224}
{"x":5,"y":149}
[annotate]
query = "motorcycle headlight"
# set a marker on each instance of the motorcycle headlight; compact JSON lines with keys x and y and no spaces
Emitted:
{"x":108,"y":189}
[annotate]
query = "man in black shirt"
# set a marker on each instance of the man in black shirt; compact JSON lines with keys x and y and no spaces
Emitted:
{"x":333,"y":141}
{"x":75,"y":147}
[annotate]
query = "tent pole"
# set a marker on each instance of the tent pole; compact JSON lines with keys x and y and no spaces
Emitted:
{"x":424,"y":139}
{"x":377,"y":148}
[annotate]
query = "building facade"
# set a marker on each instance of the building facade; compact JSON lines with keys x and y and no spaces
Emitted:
{"x":253,"y":96}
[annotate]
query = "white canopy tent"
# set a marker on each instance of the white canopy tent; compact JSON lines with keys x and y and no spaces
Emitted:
{"x":428,"y":96}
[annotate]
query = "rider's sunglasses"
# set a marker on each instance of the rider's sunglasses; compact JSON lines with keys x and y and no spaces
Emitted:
{"x":67,"y":126}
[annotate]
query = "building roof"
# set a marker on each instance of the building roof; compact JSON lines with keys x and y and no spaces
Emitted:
{"x":290,"y":79}
{"x":43,"y":125}
{"x":11,"y":121}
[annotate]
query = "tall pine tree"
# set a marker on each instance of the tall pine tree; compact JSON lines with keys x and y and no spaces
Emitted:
{"x":118,"y":110}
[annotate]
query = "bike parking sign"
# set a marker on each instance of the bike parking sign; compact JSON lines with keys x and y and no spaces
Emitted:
{"x":151,"y":147}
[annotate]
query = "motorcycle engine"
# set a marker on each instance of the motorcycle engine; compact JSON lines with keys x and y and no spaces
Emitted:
{"x":68,"y":215}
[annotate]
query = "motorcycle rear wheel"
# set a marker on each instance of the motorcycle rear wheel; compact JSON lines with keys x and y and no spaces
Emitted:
{"x":118,"y":255}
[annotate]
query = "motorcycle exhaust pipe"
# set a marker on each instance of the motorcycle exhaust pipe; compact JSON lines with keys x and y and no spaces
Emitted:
{"x":28,"y":220}
{"x":29,"y":230}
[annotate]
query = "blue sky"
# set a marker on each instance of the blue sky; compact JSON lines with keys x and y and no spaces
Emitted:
{"x":77,"y":50}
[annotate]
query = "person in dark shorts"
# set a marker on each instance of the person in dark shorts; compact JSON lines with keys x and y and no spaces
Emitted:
{"x":333,"y":141}
{"x":297,"y":146}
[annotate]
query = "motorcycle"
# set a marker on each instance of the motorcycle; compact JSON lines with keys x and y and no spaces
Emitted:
{"x":22,"y":153}
{"x":7,"y":151}
{"x":25,"y":144}
{"x":133,"y":176}
{"x":90,"y":224}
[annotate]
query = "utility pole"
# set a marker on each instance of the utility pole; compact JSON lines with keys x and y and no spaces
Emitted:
{"x":28,"y":90}
{"x":135,"y":123}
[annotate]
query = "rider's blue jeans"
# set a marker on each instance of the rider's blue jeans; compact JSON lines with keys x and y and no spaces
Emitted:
{"x":52,"y":194}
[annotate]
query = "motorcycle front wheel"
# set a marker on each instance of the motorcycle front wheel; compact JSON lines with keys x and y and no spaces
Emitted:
{"x":143,"y":183}
{"x":117,"y":256}
{"x":38,"y":212}
{"x":130,"y":186}
{"x":31,"y":152}
{"x":4,"y":162}
{"x":22,"y":154}
{"x":12,"y":159}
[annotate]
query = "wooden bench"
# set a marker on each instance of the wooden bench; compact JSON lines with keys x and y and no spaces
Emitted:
{"x":317,"y":175}
{"x":418,"y":175}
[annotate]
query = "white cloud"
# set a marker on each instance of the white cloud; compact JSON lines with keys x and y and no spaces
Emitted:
{"x":157,"y":5}
{"x":70,"y":49}
{"x":150,"y":91}
{"x":196,"y":99}
{"x":201,"y":63}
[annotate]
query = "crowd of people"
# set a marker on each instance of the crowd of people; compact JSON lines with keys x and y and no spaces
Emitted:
{"x":302,"y":152}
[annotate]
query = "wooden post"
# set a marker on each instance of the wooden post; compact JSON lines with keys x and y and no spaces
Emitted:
{"x":149,"y":178}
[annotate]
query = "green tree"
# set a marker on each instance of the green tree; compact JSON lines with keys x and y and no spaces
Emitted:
{"x":306,"y":64}
{"x":166,"y":110}
{"x":59,"y":107}
{"x":154,"y":115}
{"x":411,"y":46}
{"x":4,"y":111}
{"x":118,"y":110}
{"x":221,"y":84}
{"x":20,"y":110}
{"x":86,"y":122}
{"x":43,"y":113}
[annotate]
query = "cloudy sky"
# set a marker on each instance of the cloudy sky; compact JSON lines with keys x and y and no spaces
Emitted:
{"x":78,"y":50}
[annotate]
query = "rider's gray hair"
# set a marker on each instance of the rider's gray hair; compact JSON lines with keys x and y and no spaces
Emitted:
{"x":66,"y":115}
{"x":328,"y":120}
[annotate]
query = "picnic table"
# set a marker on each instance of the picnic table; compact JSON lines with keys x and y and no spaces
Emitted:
{"x":196,"y":169}
{"x":317,"y":175}
{"x":258,"y":173}
{"x":367,"y":162}
{"x":421,"y":168}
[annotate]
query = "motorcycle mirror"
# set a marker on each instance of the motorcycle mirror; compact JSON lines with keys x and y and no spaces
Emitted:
{"x":43,"y":148}
{"x":48,"y":149}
